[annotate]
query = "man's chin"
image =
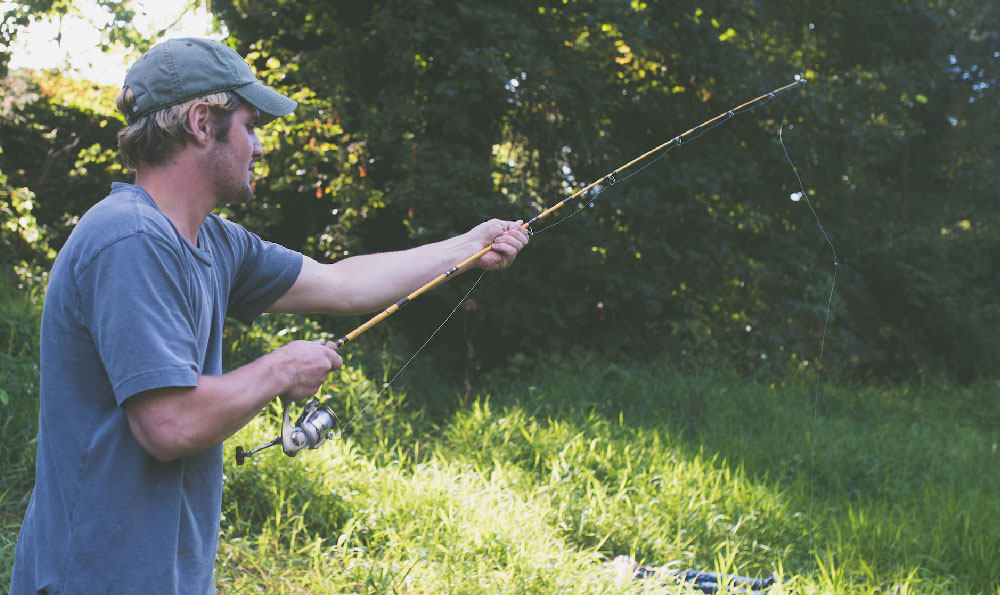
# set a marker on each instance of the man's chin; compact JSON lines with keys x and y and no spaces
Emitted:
{"x":239,"y":197}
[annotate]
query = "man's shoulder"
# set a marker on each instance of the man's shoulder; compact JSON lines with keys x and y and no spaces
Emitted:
{"x":126,"y":212}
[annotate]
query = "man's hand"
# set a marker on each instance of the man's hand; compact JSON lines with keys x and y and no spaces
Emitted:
{"x":307,"y":363}
{"x":506,"y":238}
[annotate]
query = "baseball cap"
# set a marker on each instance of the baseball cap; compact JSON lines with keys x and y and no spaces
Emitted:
{"x":179,"y":69}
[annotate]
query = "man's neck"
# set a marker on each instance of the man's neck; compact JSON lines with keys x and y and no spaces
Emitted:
{"x":179,"y":195}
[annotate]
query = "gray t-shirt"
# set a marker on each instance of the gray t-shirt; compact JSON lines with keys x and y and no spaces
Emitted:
{"x":131,"y":306}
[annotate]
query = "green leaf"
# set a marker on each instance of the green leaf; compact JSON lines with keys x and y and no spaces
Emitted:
{"x":729,"y":34}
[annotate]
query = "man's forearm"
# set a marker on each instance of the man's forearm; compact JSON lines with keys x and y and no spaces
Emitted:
{"x":378,"y":280}
{"x":371,"y":282}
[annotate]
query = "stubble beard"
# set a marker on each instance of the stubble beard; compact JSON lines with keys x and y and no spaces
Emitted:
{"x":228,"y":186}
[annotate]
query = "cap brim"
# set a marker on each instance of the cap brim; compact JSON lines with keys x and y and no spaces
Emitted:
{"x":270,"y":103}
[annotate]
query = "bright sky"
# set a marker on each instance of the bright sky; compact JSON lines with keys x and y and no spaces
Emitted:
{"x":77,"y":51}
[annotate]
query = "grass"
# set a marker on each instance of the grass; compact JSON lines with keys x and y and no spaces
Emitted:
{"x":19,"y":323}
{"x":535,"y":488}
{"x":552,"y":469}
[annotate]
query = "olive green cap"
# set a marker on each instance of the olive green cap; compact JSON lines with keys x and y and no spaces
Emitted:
{"x":180,"y":69}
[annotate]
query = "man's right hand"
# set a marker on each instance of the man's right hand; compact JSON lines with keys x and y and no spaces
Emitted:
{"x":307,"y":364}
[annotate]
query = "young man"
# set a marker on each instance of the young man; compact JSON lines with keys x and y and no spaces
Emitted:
{"x":134,"y":403}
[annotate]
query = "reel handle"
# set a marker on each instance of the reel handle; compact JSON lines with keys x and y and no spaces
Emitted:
{"x":292,"y":438}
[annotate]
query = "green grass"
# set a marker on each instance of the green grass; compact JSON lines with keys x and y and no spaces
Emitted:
{"x":554,"y":468}
{"x":19,"y":320}
{"x":535,"y":488}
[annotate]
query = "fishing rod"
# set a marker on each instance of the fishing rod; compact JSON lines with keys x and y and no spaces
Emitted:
{"x":315,"y":424}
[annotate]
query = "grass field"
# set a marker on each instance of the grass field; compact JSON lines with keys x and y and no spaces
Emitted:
{"x":540,"y":478}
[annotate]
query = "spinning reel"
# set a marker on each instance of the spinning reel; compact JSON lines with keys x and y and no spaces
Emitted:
{"x":313,"y":427}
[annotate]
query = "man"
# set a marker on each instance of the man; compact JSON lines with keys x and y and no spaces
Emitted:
{"x":134,"y":404}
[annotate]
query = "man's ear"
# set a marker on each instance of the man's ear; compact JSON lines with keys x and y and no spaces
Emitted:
{"x":200,"y":123}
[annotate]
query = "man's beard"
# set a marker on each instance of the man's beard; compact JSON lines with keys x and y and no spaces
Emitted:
{"x":229,"y":184}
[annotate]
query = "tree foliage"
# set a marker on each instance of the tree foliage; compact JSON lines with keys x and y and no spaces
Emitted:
{"x":419,"y":118}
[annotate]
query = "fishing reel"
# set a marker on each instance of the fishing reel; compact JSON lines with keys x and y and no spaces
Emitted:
{"x":313,"y":427}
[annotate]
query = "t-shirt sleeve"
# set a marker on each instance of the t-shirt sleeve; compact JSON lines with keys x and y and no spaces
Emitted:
{"x":140,"y":316}
{"x":264,"y":273}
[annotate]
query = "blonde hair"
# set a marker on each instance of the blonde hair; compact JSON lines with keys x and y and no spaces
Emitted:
{"x":154,"y":137}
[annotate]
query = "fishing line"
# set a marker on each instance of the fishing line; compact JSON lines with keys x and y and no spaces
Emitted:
{"x":612,"y":180}
{"x":314,"y":425}
{"x":417,"y":352}
{"x":677,"y":141}
{"x":608,"y":179}
{"x":826,"y":324}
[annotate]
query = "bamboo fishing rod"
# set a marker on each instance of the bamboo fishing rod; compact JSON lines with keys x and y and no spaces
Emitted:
{"x":610,"y":178}
{"x":317,"y":420}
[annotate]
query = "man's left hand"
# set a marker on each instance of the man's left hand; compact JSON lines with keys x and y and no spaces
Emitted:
{"x":506,"y":238}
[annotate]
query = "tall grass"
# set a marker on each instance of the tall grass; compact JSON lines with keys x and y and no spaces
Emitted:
{"x":553,"y":469}
{"x":19,"y":321}
{"x":536,"y":486}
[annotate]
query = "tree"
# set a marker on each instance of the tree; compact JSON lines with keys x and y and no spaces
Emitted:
{"x":450,"y":111}
{"x":419,"y":118}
